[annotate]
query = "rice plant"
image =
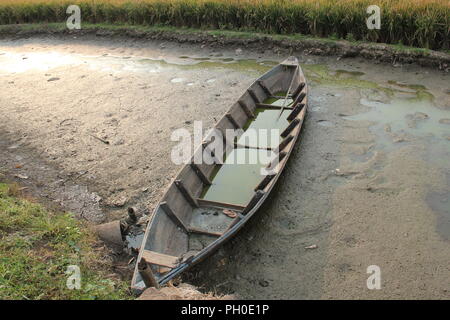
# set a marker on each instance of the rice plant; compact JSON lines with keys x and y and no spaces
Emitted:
{"x":420,"y":23}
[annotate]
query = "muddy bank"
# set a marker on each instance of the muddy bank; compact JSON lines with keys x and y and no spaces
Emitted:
{"x":366,"y":185}
{"x":384,"y":53}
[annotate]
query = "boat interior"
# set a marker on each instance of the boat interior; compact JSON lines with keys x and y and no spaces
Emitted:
{"x":205,"y":200}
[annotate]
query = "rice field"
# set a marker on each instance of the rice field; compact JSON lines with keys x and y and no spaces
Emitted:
{"x":419,"y":23}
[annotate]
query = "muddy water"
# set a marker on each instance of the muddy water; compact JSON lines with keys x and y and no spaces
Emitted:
{"x":264,"y":131}
{"x":367,"y":184}
{"x":234,"y":181}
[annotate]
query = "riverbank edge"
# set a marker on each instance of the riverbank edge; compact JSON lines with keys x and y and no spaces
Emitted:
{"x":290,"y":44}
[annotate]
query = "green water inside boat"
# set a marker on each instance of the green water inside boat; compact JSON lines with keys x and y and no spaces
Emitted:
{"x":235,"y":180}
{"x":264,"y":131}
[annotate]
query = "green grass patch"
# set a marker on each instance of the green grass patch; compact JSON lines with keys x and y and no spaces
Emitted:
{"x":37,"y":246}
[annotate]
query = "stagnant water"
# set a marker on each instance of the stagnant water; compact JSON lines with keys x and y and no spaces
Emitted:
{"x":235,"y":181}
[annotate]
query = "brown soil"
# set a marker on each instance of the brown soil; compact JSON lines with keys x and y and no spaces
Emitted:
{"x":353,"y":195}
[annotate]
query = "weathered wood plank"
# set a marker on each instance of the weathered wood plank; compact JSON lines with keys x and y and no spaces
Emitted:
{"x":147,"y":274}
{"x":271,"y":106}
{"x":285,"y":142}
{"x":187,"y":195}
{"x":299,"y":98}
{"x":232,"y":120}
{"x":200,"y":174}
{"x":216,"y":204}
{"x":265,"y":182}
{"x":172,"y":215}
{"x":295,"y":111}
{"x":253,"y":95}
{"x":264,"y":87}
{"x":290,"y":127}
{"x":299,"y":89}
{"x":246,"y":109}
{"x":160,"y":259}
{"x":209,"y":233}
{"x":281,"y":97}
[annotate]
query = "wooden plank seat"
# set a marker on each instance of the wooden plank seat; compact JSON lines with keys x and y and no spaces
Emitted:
{"x":271,"y":106}
{"x":160,"y":259}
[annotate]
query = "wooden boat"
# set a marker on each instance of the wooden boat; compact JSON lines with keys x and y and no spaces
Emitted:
{"x":206,"y":204}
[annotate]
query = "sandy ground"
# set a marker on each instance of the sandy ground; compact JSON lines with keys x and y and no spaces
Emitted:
{"x":85,"y":125}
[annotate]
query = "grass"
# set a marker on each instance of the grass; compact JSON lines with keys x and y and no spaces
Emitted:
{"x":229,"y":34}
{"x":37,"y":246}
{"x":419,"y":23}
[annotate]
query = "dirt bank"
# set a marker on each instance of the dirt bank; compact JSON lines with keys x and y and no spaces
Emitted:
{"x":86,"y":124}
{"x":392,"y":54}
